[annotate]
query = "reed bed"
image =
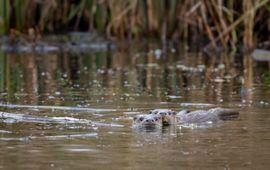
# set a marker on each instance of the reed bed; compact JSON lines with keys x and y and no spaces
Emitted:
{"x":216,"y":22}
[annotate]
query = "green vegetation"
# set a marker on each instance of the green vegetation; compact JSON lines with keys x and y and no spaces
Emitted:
{"x":223,"y":23}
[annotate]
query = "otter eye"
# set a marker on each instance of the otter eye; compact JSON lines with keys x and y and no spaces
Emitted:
{"x":141,"y":118}
{"x":134,"y":118}
{"x":169,"y":113}
{"x":174,"y":113}
{"x":155,"y":112}
{"x":156,"y":119}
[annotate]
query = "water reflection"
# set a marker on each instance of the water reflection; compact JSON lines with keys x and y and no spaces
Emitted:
{"x":248,"y":79}
{"x":117,"y":74}
{"x":123,"y":83}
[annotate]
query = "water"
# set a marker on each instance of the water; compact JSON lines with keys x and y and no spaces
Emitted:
{"x":109,"y":88}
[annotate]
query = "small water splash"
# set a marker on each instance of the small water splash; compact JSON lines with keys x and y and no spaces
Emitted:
{"x":204,"y":125}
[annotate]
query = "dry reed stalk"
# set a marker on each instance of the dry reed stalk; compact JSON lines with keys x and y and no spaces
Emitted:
{"x":79,"y":15}
{"x":213,"y":9}
{"x":137,"y":23}
{"x":152,"y":22}
{"x":99,"y":15}
{"x":46,"y":13}
{"x":240,"y":19}
{"x":119,"y":16}
{"x":89,"y":13}
{"x":53,"y":15}
{"x":268,"y":28}
{"x":171,"y":16}
{"x":30,"y":13}
{"x":4,"y":16}
{"x":229,"y":12}
{"x":222,"y":20}
{"x":187,"y":19}
{"x":208,"y":27}
{"x":182,"y":26}
{"x":248,"y":23}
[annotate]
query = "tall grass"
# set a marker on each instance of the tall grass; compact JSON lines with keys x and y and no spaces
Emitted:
{"x":4,"y":15}
{"x":2,"y":71}
{"x":223,"y":23}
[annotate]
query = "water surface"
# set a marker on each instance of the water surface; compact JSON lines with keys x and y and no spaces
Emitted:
{"x":110,"y":87}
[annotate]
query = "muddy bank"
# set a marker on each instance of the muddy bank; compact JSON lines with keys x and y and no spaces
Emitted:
{"x":71,"y":42}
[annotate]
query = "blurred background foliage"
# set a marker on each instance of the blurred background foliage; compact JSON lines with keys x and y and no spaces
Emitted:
{"x":219,"y":23}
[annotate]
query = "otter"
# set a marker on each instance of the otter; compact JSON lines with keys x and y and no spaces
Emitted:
{"x":204,"y":116}
{"x":147,"y":120}
{"x":169,"y":117}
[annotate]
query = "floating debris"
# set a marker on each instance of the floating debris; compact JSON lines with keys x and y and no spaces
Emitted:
{"x":218,"y":80}
{"x":60,"y":44}
{"x":22,"y":139}
{"x":131,"y":113}
{"x":200,"y":105}
{"x":55,"y":137}
{"x":199,"y":68}
{"x":81,"y":150}
{"x":221,"y":66}
{"x":158,"y":53}
{"x":175,"y":97}
{"x":86,"y":135}
{"x":5,"y":131}
{"x":14,"y":118}
{"x":261,"y":55}
{"x":148,"y":65}
{"x":66,"y":108}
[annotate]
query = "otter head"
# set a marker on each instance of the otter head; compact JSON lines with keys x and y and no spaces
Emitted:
{"x":146,"y":120}
{"x":168,"y":116}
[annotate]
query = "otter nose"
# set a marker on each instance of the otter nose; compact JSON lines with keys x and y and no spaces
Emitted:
{"x":149,"y":120}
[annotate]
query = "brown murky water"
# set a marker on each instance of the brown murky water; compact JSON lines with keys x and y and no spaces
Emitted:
{"x":111,"y":87}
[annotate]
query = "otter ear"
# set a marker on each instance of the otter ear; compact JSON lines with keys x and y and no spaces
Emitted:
{"x":154,"y":112}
